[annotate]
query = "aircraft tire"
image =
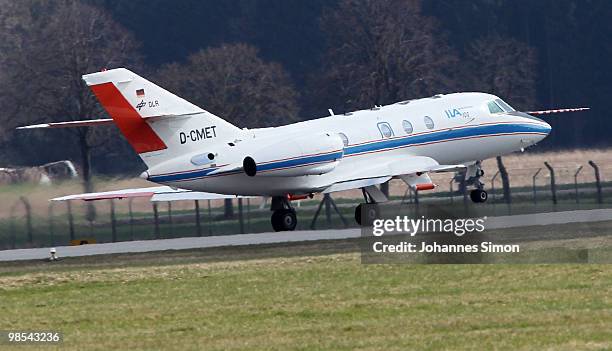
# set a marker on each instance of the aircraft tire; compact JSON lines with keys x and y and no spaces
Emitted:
{"x":284,"y":220}
{"x":479,"y":195}
{"x":372,"y":213}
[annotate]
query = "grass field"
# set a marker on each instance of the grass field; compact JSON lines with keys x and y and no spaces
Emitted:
{"x":309,"y":298}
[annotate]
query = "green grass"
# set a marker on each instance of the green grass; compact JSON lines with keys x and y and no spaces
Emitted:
{"x":324,"y":300}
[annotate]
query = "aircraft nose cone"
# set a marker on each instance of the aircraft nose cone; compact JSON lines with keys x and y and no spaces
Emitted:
{"x":546,"y":127}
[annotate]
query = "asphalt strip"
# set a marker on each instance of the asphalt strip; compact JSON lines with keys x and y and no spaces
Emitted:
{"x":500,"y":222}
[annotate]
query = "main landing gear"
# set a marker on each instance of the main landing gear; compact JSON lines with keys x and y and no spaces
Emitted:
{"x":369,"y":209}
{"x":283,"y":217}
{"x":473,"y":174}
{"x":371,"y":213}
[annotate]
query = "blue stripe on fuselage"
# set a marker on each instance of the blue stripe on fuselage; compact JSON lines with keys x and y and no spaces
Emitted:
{"x":299,"y":161}
{"x":381,"y":145}
{"x":181,"y":176}
{"x":445,"y":135}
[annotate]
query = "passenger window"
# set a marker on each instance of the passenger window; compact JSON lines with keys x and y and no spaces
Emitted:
{"x":385,"y":130}
{"x":494,"y":108}
{"x":344,"y":138}
{"x":429,"y":123}
{"x":407,"y":126}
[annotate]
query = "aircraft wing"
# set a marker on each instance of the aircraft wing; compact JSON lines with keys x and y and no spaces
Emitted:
{"x":157,"y":193}
{"x":392,"y":167}
{"x":412,"y":170}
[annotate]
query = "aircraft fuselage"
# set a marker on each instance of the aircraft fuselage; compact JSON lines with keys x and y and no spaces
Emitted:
{"x":456,"y":128}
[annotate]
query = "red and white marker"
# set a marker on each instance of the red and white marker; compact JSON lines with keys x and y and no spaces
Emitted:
{"x":546,"y":112}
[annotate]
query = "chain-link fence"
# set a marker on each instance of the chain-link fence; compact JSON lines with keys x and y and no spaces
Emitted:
{"x":34,"y":224}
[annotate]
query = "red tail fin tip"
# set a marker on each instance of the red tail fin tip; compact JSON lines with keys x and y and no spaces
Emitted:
{"x":135,"y":129}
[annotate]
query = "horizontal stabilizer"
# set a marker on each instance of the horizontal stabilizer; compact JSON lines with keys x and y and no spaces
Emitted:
{"x":96,"y":122}
{"x":71,"y":124}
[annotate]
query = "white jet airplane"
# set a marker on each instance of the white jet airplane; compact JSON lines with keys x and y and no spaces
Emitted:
{"x":197,"y":155}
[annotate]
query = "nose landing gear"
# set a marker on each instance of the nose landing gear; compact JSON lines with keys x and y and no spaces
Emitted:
{"x":473,"y":174}
{"x":479,"y":195}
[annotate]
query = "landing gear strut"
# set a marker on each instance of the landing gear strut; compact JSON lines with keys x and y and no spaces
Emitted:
{"x":473,"y":175}
{"x":283,"y":217}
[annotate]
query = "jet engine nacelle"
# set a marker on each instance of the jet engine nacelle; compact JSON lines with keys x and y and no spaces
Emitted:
{"x":296,"y":156}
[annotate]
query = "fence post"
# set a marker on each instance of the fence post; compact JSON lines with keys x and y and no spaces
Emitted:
{"x":240,"y":215}
{"x":28,"y":209}
{"x":70,"y":219}
{"x":156,"y":220}
{"x":408,"y":195}
{"x":493,"y":186}
{"x":248,"y":214}
{"x":197,"y":218}
{"x":209,"y":219}
{"x":328,"y":202}
{"x":535,"y":176}
{"x":384,"y":187}
{"x":597,"y":181}
{"x":576,"y":183}
{"x":51,"y":226}
{"x":13,"y":227}
{"x":131,"y":213}
{"x":328,"y":208}
{"x":113,"y":221}
{"x":553,"y":185}
{"x":170,"y":218}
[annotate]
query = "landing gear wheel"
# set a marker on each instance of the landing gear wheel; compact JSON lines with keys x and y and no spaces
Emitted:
{"x":372,"y":213}
{"x":284,"y":220}
{"x":479,"y":195}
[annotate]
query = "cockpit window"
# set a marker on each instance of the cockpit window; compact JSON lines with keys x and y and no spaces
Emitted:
{"x":504,"y":105}
{"x":494,"y":108}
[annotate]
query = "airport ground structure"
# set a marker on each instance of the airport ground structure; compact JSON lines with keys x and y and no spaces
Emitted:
{"x":31,"y":221}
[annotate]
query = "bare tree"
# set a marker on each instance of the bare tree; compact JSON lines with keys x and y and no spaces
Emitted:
{"x":60,"y":41}
{"x":15,"y":30}
{"x":505,"y":67}
{"x":232,"y":82}
{"x":382,"y":51}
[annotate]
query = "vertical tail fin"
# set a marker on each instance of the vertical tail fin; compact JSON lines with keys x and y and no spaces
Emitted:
{"x":142,"y":111}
